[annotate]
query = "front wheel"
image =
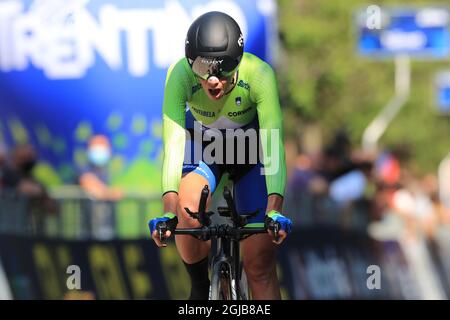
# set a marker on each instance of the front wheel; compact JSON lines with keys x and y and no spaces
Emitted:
{"x":221,"y":283}
{"x":223,"y":286}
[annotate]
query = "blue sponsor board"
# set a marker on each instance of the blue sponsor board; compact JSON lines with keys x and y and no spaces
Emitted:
{"x":419,"y":32}
{"x":69,"y":70}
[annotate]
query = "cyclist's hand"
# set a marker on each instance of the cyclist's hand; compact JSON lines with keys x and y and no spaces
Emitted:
{"x":164,"y":225}
{"x":276,"y":221}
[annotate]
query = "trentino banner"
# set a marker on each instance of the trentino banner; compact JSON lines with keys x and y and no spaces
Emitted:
{"x":73,"y":69}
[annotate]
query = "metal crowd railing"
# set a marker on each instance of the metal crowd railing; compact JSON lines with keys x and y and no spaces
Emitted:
{"x":307,"y":209}
{"x":78,"y":216}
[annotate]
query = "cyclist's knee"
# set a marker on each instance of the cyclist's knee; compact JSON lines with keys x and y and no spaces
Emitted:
{"x":189,"y":197}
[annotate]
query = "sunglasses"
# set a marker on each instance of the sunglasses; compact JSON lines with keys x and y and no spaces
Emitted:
{"x":221,"y":67}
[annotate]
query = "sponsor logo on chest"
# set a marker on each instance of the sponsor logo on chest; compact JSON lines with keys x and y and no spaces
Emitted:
{"x":239,"y":113}
{"x":204,"y":113}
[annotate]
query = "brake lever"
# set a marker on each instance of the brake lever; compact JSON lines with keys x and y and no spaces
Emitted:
{"x":162,"y":228}
{"x":275,"y":228}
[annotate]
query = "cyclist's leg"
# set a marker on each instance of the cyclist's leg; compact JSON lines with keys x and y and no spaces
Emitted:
{"x":259,"y":252}
{"x":196,"y":174}
{"x":193,"y":252}
{"x":259,"y":257}
{"x":191,"y":249}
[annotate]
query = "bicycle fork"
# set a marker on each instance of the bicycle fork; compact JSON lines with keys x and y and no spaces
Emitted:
{"x":230,"y":248}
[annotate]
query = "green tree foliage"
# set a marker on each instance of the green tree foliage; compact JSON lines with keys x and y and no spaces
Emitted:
{"x":323,"y":81}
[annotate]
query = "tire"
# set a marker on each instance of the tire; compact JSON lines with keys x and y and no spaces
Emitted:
{"x":243,"y":285}
{"x":220,"y":282}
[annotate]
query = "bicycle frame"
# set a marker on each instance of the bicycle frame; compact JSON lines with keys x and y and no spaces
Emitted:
{"x":227,"y":248}
{"x":228,"y":251}
{"x":227,"y":237}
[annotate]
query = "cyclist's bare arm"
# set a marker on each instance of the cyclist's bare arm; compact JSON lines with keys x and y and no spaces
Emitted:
{"x":170,"y":201}
{"x":270,"y":118}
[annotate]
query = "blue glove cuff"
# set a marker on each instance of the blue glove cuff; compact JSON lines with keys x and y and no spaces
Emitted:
{"x":285,"y":223}
{"x":152,"y":224}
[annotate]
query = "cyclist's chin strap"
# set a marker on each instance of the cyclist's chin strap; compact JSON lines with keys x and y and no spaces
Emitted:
{"x":233,"y":82}
{"x":235,"y":76}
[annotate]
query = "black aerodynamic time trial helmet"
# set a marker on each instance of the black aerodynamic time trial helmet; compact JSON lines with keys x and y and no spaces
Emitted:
{"x":214,"y":45}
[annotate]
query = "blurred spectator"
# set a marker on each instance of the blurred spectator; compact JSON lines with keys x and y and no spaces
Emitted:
{"x":414,"y":204}
{"x":387,"y":169}
{"x":95,"y":179}
{"x":299,"y":197}
{"x":302,"y":174}
{"x":335,"y":160}
{"x":332,"y":185}
{"x":348,"y":187}
{"x":354,"y":193}
{"x":429,"y":185}
{"x":333,"y":163}
{"x":357,"y":189}
{"x":18,"y":177}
